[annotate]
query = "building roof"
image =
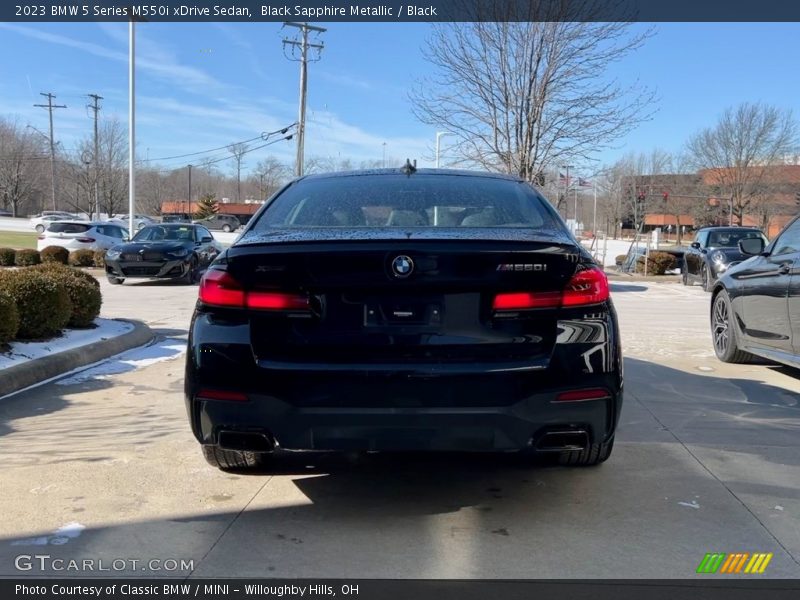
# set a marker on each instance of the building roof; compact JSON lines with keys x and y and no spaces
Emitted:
{"x":659,"y":220}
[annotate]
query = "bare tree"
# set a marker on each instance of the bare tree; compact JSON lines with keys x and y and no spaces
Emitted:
{"x":238,"y":151}
{"x":270,"y":173}
{"x":19,"y":171}
{"x":525,"y":97}
{"x":737,"y":152}
{"x":112,"y":167}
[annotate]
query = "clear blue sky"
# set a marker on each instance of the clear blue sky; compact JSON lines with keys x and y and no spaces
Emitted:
{"x":208,"y":84}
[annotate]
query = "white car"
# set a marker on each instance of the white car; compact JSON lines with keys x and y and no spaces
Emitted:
{"x":80,"y":235}
{"x":41,"y":222}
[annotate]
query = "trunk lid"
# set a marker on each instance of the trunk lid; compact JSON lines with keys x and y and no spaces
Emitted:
{"x":403,"y":299}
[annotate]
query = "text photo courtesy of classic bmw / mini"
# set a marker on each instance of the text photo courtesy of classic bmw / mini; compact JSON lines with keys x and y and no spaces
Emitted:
{"x":494,"y":292}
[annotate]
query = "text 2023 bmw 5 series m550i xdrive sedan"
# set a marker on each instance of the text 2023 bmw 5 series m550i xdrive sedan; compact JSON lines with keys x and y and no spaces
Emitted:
{"x":404,"y":309}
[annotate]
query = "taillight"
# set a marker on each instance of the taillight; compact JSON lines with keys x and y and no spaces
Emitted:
{"x":86,"y":240}
{"x":276,"y":301}
{"x":524,"y":300}
{"x":586,"y":287}
{"x":589,"y":286}
{"x":219,"y":288}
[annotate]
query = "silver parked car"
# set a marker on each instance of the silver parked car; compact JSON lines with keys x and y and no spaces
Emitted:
{"x":82,"y":235}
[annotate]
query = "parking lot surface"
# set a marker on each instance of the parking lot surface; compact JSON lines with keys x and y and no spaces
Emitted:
{"x":707,"y":459}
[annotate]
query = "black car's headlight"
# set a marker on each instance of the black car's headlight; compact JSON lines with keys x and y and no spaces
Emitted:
{"x":178,"y":253}
{"x":113,"y":254}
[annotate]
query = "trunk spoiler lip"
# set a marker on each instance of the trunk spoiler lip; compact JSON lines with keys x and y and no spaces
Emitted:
{"x":402,"y":234}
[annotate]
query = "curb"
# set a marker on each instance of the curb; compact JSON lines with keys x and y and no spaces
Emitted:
{"x":39,"y":370}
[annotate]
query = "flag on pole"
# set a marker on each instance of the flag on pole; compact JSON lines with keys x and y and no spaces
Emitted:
{"x":564,"y":179}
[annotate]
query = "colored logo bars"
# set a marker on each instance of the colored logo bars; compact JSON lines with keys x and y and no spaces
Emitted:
{"x":740,"y":562}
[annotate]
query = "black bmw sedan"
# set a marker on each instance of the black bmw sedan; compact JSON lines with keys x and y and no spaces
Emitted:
{"x":755,"y":305}
{"x":165,"y":251}
{"x":714,"y":250}
{"x":404,"y":309}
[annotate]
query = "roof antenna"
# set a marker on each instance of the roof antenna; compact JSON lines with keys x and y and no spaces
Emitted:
{"x":409,"y":168}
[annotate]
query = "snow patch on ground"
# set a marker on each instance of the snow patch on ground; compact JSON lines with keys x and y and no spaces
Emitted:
{"x":166,"y":349}
{"x":22,"y":352}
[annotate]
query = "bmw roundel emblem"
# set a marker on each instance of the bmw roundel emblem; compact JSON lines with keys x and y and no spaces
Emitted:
{"x":402,"y":266}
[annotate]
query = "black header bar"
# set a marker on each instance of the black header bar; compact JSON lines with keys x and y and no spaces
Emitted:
{"x":401,"y":10}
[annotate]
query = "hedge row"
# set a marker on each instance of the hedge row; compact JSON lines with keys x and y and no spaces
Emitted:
{"x":52,"y":254}
{"x":39,"y":301}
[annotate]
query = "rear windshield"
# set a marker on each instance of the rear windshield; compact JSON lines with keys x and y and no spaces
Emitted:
{"x":67,"y":228}
{"x":402,"y":201}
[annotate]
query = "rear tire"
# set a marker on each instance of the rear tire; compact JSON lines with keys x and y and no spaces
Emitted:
{"x":593,"y":455}
{"x":723,"y":332}
{"x":226,"y":228}
{"x":40,"y":228}
{"x":115,"y":280}
{"x":233,"y":460}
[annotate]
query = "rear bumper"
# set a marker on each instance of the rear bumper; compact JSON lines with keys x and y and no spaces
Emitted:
{"x":475,"y":406}
{"x":390,"y":426}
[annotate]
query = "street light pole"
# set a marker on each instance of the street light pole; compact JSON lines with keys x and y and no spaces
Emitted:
{"x":131,"y":124}
{"x":439,"y":135}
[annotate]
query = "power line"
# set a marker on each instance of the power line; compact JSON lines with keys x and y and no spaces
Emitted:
{"x":263,"y":136}
{"x":50,"y":106}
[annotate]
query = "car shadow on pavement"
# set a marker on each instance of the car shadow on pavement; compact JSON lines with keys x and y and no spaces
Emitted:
{"x":666,"y":403}
{"x":425,"y":515}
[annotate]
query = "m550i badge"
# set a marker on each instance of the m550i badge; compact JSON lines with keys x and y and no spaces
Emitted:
{"x":522,"y":267}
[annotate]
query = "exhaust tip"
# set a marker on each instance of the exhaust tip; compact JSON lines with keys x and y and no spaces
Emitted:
{"x":248,"y":441}
{"x":569,"y":440}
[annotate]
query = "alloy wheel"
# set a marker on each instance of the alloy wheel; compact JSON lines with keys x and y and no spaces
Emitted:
{"x":721,"y":326}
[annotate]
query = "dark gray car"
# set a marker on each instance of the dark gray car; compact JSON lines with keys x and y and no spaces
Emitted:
{"x":220,"y":223}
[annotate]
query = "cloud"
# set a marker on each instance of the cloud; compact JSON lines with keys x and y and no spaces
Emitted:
{"x":150,"y":57}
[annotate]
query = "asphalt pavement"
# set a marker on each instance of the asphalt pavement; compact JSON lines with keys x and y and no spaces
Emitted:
{"x":103,"y":466}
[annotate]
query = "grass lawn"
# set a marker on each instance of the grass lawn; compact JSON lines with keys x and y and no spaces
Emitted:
{"x":18,"y":239}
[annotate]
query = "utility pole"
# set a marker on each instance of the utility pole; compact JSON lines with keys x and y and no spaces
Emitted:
{"x":383,"y":162}
{"x":189,"y":196}
{"x":566,"y":191}
{"x":50,"y":106}
{"x":304,"y":45}
{"x":96,"y":108}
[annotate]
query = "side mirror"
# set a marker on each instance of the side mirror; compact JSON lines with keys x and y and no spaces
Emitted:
{"x":207,"y":239}
{"x":751,"y":246}
{"x":696,"y":245}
